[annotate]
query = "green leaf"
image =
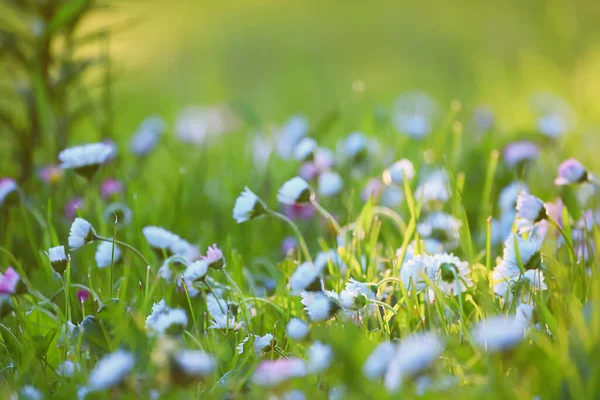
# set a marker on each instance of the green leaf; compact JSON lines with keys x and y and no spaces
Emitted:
{"x":65,"y":15}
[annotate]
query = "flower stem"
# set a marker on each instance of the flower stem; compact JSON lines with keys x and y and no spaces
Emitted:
{"x":326,"y":214}
{"x":130,"y":247}
{"x":189,"y":300}
{"x":301,"y":241}
{"x":384,"y":305}
{"x":564,"y":235}
{"x":386,"y":280}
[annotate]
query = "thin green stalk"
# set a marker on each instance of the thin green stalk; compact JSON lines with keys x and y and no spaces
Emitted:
{"x":326,"y":214}
{"x":392,"y":215}
{"x":564,"y":235}
{"x":301,"y":241}
{"x":386,"y":280}
{"x":189,"y":300}
{"x":384,"y":305}
{"x":120,"y":243}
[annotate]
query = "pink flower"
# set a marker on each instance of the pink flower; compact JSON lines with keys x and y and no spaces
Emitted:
{"x":111,"y":187}
{"x":308,"y":171}
{"x":72,"y":206}
{"x":518,"y":152}
{"x":9,"y":281}
{"x":571,"y":171}
{"x":274,"y":372}
{"x":50,"y":174}
{"x":299,"y":211}
{"x":83,"y":295}
{"x":214,"y":257}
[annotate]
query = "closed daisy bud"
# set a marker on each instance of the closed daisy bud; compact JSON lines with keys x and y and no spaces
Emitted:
{"x":498,"y":333}
{"x":399,"y":171}
{"x":196,"y":271}
{"x":86,"y":159}
{"x":296,"y":329}
{"x":306,"y":277}
{"x":294,"y":191}
{"x":58,"y":258}
{"x":11,"y":283}
{"x":571,"y":171}
{"x":320,"y":357}
{"x":111,"y":370}
{"x":305,"y":149}
{"x":214,"y":257}
{"x":9,"y":192}
{"x":530,"y":208}
{"x":274,"y":372}
{"x":378,"y":361}
{"x":330,"y":184}
{"x":107,"y":254}
{"x":248,"y":206}
{"x":81,"y":233}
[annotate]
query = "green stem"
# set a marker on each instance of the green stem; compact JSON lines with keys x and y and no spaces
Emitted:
{"x":326,"y":214}
{"x":386,"y":280}
{"x":279,"y":309}
{"x":392,"y":215}
{"x":189,"y":300}
{"x":130,"y":247}
{"x":301,"y":241}
{"x":384,"y":305}
{"x":564,"y":235}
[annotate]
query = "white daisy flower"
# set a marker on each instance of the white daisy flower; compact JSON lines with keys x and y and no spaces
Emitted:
{"x":392,"y":196}
{"x":260,"y":345}
{"x":555,"y":115}
{"x":354,"y":148}
{"x":274,"y":372}
{"x":86,"y":159}
{"x":111,"y":370}
{"x":81,"y":233}
{"x":196,"y":271}
{"x":509,"y":195}
{"x":170,"y":321}
{"x":378,"y":361}
{"x":160,"y":239}
{"x":58,"y":258}
{"x":107,"y":254}
{"x":157,"y":309}
{"x":571,"y":171}
{"x":530,"y":208}
{"x":320,"y":306}
{"x":294,"y":191}
{"x":414,"y":114}
{"x":173,"y":269}
{"x":292,"y":132}
{"x":296,"y":329}
{"x":305,"y":149}
{"x":320,"y":357}
{"x":195,"y":363}
{"x":356,"y":295}
{"x":248,"y":206}
{"x":440,"y":230}
{"x":330,"y":183}
{"x":7,"y":187}
{"x":434,"y":191}
{"x":306,"y":277}
{"x":413,"y":354}
{"x":399,"y":171}
{"x":146,"y":137}
{"x":453,"y":275}
{"x":222,"y":314}
{"x":498,"y":333}
{"x":29,"y":392}
{"x":67,"y":368}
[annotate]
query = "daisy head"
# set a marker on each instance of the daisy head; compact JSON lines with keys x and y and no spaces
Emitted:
{"x":530,"y":208}
{"x":161,"y":240}
{"x":107,"y":254}
{"x":295,"y":191}
{"x":516,"y":154}
{"x":320,"y":306}
{"x":571,"y":171}
{"x":498,"y":333}
{"x":274,"y":372}
{"x":378,"y":361}
{"x":87,"y":159}
{"x":11,"y":283}
{"x":111,"y":370}
{"x":214,"y":257}
{"x":81,"y":233}
{"x":111,"y":187}
{"x":399,"y":171}
{"x":58,"y":258}
{"x":305,"y":149}
{"x":452,"y":275}
{"x":9,"y":192}
{"x":330,"y":184}
{"x":306,"y":277}
{"x":355,"y":147}
{"x":145,"y":139}
{"x":248,"y":206}
{"x":188,"y":366}
{"x":196,"y":271}
{"x":296,"y":329}
{"x":440,"y":231}
{"x":320,"y":357}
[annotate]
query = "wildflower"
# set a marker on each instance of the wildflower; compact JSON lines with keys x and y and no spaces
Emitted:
{"x":173,"y":268}
{"x":440,"y":231}
{"x":518,"y":153}
{"x":414,"y":114}
{"x":330,"y":183}
{"x":320,"y":357}
{"x":299,"y":211}
{"x":163,"y":240}
{"x":165,"y":320}
{"x":29,"y":392}
{"x":524,"y":314}
{"x":296,"y":329}
{"x":196,"y":124}
{"x":306,"y":277}
{"x":323,"y":159}
{"x":305,"y":149}
{"x":111,"y":187}
{"x":248,"y":206}
{"x":107,"y":254}
{"x":196,"y":271}
{"x":509,"y":195}
{"x":498,"y":333}
{"x":292,"y":132}
{"x":530,"y":208}
{"x":81,"y":233}
{"x":118,"y":214}
{"x":294,"y":191}
{"x":223,"y":314}
{"x":11,"y":283}
{"x":378,"y":361}
{"x":274,"y":372}
{"x":145,"y":139}
{"x":192,"y":364}
{"x":413,"y":354}
{"x":50,"y":174}
{"x":355,"y":147}
{"x":392,"y":196}
{"x":373,"y":189}
{"x":72,"y":206}
{"x":308,"y":171}
{"x":58,"y":258}
{"x":433,"y":192}
{"x":356,"y":295}
{"x":67,"y":368}
{"x":446,"y":271}
{"x":555,"y":116}
{"x":399,"y":171}
{"x":82,"y":295}
{"x":262,"y":148}
{"x":259,"y":343}
{"x":320,"y":306}
{"x":289,"y":245}
{"x":86,"y":159}
{"x":214,"y":257}
{"x":111,"y":370}
{"x":571,"y":171}
{"x":8,"y":191}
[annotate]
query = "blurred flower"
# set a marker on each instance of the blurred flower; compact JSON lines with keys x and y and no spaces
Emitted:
{"x":262,"y":147}
{"x":440,"y":231}
{"x":330,"y":183}
{"x":86,"y":159}
{"x":571,"y":171}
{"x":260,"y":343}
{"x":162,"y":240}
{"x":320,"y":357}
{"x":306,"y":277}
{"x":449,"y":273}
{"x":29,"y":392}
{"x":165,"y":320}
{"x":296,"y":329}
{"x":530,"y":208}
{"x":195,"y":125}
{"x":498,"y":333}
{"x":214,"y":257}
{"x":433,"y":192}
{"x":111,"y":187}
{"x":320,"y":306}
{"x":555,"y":116}
{"x":356,"y":295}
{"x":72,"y":206}
{"x":378,"y":361}
{"x":189,"y":365}
{"x":398,"y":172}
{"x":305,"y":149}
{"x":58,"y":258}
{"x":373,"y":189}
{"x":82,"y":295}
{"x":274,"y":372}
{"x":148,"y":133}
{"x":50,"y":174}
{"x":10,"y":283}
{"x":289,"y":245}
{"x":308,"y":171}
{"x":294,"y":191}
{"x":414,"y":114}
{"x":67,"y":368}
{"x":111,"y":370}
{"x":8,"y":191}
{"x":117,"y":213}
{"x":299,"y":211}
{"x":81,"y":233}
{"x":248,"y":206}
{"x":392,"y":196}
{"x":414,"y":354}
{"x":517,"y":153}
{"x":354,"y":147}
{"x":290,"y":134}
{"x":509,"y":195}
{"x":223,"y":314}
{"x":196,"y":271}
{"x":173,"y":268}
{"x":107,"y":254}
